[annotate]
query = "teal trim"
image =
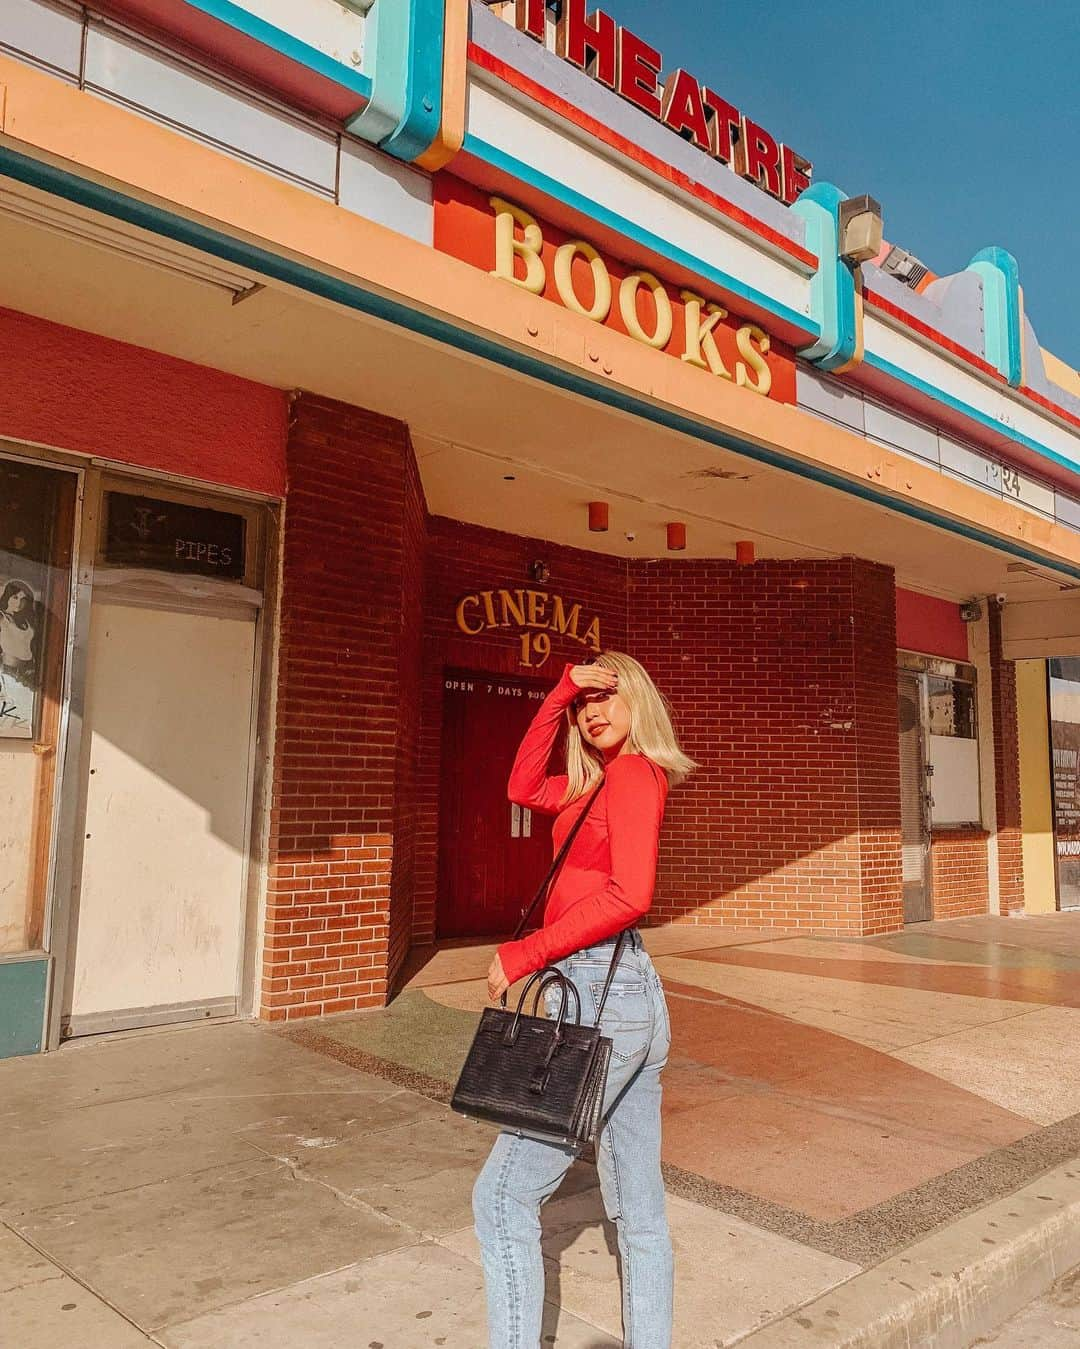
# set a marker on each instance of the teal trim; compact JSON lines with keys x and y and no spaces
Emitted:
{"x":983,"y":418}
{"x":403,"y":51}
{"x":97,"y":197}
{"x":292,"y":47}
{"x":1002,"y":322}
{"x":423,"y":116}
{"x":593,"y":210}
{"x":832,"y":291}
{"x":23,"y":986}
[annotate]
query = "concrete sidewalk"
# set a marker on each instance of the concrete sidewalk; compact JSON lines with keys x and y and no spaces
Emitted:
{"x":866,"y":1143}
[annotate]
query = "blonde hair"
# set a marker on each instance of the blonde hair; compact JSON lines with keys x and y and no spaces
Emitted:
{"x":651,"y":732}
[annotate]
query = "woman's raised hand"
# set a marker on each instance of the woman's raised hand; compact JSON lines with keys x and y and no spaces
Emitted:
{"x":594,"y":677}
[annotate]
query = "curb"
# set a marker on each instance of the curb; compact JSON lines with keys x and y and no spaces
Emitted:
{"x":949,"y":1289}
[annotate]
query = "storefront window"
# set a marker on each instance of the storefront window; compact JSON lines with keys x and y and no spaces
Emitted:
{"x":952,"y":707}
{"x":1065,"y":751}
{"x":36,"y":518}
{"x":953,"y":751}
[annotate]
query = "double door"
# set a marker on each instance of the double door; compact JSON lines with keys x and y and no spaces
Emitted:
{"x":492,"y":853}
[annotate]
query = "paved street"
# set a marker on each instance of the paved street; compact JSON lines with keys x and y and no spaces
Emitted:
{"x":1050,"y":1322}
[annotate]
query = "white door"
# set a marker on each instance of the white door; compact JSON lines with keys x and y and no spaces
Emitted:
{"x":161,"y":903}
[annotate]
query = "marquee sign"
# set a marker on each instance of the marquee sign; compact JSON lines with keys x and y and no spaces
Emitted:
{"x":509,"y":242}
{"x":625,"y":63}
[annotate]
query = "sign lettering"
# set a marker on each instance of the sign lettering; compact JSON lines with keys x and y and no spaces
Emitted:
{"x":535,"y":613}
{"x":173,"y":536}
{"x":511,"y":243}
{"x":654,"y":330}
{"x":624,"y":62}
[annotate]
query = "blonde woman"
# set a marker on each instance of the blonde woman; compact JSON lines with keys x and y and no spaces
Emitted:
{"x":619,"y":729}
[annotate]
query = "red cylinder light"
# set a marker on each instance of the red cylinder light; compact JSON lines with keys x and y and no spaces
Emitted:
{"x":744,"y":552}
{"x":676,"y":537}
{"x":598,"y":516}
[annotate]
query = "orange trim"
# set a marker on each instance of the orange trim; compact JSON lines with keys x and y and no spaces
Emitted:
{"x":455,"y":81}
{"x":516,"y":80}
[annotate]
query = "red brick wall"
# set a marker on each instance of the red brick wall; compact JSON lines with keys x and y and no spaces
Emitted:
{"x":782,"y":680}
{"x":959,"y":877}
{"x":411,"y":642}
{"x":1006,"y":772}
{"x":346,"y":594}
{"x":782,"y":677}
{"x":877,"y":747}
{"x":464,"y":559}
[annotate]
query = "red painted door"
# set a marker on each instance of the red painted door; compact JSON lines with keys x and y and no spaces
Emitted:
{"x":492,"y":855}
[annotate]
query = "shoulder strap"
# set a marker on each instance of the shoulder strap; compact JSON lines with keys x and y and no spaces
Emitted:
{"x":560,"y":857}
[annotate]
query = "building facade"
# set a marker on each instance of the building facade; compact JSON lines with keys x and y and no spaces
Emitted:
{"x":365,"y":363}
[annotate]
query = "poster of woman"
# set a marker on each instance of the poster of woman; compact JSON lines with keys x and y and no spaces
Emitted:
{"x":19,"y":675}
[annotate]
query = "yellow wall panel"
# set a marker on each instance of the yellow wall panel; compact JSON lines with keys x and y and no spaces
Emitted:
{"x":1036,"y":814}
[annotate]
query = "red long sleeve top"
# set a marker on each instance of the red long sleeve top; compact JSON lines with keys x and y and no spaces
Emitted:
{"x":607,"y":878}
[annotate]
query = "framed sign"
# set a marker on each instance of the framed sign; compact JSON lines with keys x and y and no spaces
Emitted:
{"x":173,"y":536}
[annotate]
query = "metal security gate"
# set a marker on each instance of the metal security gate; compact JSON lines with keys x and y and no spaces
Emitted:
{"x":914,"y":800}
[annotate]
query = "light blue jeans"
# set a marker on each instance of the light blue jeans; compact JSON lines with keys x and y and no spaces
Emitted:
{"x":521,"y":1172}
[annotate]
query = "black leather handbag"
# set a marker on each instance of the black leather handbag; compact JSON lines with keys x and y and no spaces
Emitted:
{"x":540,"y":1076}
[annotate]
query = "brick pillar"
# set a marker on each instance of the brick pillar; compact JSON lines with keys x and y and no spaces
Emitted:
{"x":877,"y":746}
{"x":411,"y":644}
{"x":782,"y":678}
{"x":346,"y":719}
{"x":1010,"y":838}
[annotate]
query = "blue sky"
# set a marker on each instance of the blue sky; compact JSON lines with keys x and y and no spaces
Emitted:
{"x":961,"y":118}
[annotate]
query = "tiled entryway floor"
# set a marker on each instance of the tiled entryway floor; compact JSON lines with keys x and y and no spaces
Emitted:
{"x":827,"y":1102}
{"x":849,"y":1094}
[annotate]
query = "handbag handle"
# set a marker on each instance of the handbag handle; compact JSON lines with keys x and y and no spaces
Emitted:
{"x":557,"y":977}
{"x":549,"y":975}
{"x":611,"y":973}
{"x":545,"y":977}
